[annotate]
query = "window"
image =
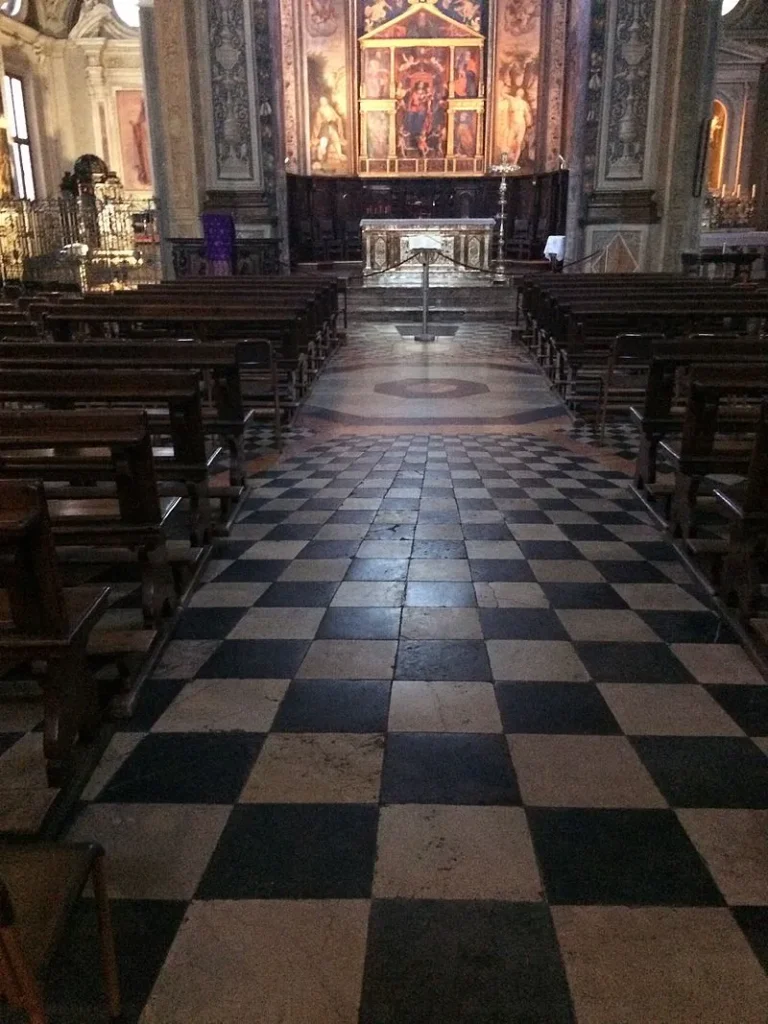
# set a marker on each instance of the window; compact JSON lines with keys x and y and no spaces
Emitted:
{"x":728,"y":6}
{"x":127,"y":11}
{"x":18,"y":136}
{"x":11,"y":7}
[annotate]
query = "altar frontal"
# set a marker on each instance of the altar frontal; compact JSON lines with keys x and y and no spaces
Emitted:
{"x":463,"y":259}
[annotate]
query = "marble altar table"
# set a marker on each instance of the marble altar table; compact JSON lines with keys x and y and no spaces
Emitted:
{"x":387,"y":242}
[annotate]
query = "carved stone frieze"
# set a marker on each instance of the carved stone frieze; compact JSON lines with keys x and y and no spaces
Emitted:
{"x":288,"y":66}
{"x":558,"y":26}
{"x":629,"y":88}
{"x":264,"y":49}
{"x":230,"y":94}
{"x":597,"y":33}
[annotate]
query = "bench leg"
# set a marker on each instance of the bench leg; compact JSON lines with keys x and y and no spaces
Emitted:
{"x":158,"y":592}
{"x":236,"y":446}
{"x":71,"y":709}
{"x":24,"y":990}
{"x":106,"y":939}
{"x":683,"y":506}
{"x":742,"y":577}
{"x":200,"y":514}
{"x":645,"y":469}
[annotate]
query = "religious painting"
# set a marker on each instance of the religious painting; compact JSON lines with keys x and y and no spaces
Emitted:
{"x":327,"y":121}
{"x":718,"y":126}
{"x":134,"y":140}
{"x":422,"y":101}
{"x":377,"y":134}
{"x":421,"y":67}
{"x":465,"y":133}
{"x":376,"y":74}
{"x":466,"y":73}
{"x":516,"y":85}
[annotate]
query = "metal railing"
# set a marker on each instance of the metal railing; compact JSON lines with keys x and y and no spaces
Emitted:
{"x":99,"y":243}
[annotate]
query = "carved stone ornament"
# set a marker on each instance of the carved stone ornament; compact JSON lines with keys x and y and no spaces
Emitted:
{"x":630,"y":84}
{"x":98,"y":21}
{"x":230,"y":92}
{"x":53,"y":16}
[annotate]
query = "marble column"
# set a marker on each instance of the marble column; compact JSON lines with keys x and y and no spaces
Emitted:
{"x":645,"y":110}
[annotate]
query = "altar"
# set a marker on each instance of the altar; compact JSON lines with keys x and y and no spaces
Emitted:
{"x":464,"y":257}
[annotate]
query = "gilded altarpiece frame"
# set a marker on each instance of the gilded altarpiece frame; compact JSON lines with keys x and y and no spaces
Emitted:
{"x":422,"y":95}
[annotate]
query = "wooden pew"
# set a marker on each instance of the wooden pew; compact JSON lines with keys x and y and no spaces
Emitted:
{"x":708,"y":444}
{"x":663,"y":410}
{"x":41,"y":620}
{"x":118,"y":511}
{"x":227,"y":419}
{"x":187,"y":462}
{"x":743,"y":571}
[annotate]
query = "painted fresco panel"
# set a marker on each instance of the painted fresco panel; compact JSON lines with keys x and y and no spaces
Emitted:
{"x":375,"y":13}
{"x":465,"y":133}
{"x":134,"y":140}
{"x":422,"y":76}
{"x":377,"y":134}
{"x":327,"y":85}
{"x":516,"y":85}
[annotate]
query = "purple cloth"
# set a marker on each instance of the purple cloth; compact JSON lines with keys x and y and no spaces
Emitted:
{"x":219,"y":233}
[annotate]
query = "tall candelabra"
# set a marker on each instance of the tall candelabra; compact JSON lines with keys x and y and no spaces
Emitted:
{"x":504,"y":168}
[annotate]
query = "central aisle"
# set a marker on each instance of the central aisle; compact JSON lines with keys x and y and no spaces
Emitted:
{"x":448,"y":737}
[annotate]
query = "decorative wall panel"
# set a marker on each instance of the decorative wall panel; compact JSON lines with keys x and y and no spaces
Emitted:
{"x":515,"y":97}
{"x":328,"y":68}
{"x":232,"y":93}
{"x":629,"y":88}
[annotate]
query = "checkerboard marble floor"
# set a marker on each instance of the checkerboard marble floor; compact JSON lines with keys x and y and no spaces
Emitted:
{"x":448,"y":735}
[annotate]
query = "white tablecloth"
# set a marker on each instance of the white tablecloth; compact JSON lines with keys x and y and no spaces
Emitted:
{"x":555,"y":247}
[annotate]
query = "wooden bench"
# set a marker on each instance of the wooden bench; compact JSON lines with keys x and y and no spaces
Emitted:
{"x":221,"y":362}
{"x":663,"y":408}
{"x":41,"y":620}
{"x":177,"y":393}
{"x":743,"y":571}
{"x":118,"y":513}
{"x":721,"y":418}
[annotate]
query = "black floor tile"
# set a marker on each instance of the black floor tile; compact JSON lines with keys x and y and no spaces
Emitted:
{"x":448,"y":768}
{"x":440,"y":595}
{"x":521,"y":624}
{"x":689,"y":627}
{"x":353,"y":515}
{"x":440,"y":549}
{"x":293,"y":531}
{"x":332,"y":705}
{"x":586,"y":531}
{"x":619,"y":857}
{"x":498,"y":570}
{"x":527,"y":518}
{"x":264,"y":517}
{"x":144,"y":931}
{"x":539,"y":549}
{"x":255,"y":659}
{"x":486,"y":531}
{"x":655,"y":551}
{"x":183,"y":768}
{"x":632,"y":663}
{"x":753,"y":921}
{"x":330,"y":549}
{"x":154,"y":697}
{"x":293,"y":851}
{"x":298,"y":595}
{"x":583,"y":595}
{"x":360,"y":624}
{"x":207,"y":623}
{"x":230,"y":548}
{"x":459,"y":660}
{"x":706,"y":771}
{"x":554,"y":708}
{"x":381,"y":569}
{"x":747,"y":705}
{"x":630,"y":572}
{"x":7,"y":739}
{"x":251,"y":570}
{"x":484,"y":962}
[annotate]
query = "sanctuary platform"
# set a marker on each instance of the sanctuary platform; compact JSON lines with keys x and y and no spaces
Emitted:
{"x":464,"y":258}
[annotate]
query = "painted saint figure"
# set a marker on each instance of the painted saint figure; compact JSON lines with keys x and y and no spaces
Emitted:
{"x":328,"y":142}
{"x":515,"y":120}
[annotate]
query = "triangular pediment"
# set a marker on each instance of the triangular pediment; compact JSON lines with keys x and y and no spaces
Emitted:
{"x":422,"y":21}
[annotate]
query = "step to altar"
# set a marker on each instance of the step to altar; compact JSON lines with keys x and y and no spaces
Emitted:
{"x":494,"y":303}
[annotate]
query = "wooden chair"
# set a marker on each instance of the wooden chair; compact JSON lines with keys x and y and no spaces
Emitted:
{"x":40,"y":884}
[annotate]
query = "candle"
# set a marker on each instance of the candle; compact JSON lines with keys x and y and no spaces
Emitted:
{"x":738,"y":191}
{"x":754,"y":191}
{"x":722,"y":191}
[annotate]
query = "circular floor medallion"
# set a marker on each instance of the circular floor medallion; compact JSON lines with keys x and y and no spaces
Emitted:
{"x":436,"y":387}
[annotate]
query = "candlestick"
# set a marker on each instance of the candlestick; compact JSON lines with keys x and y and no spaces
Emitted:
{"x":504,"y":168}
